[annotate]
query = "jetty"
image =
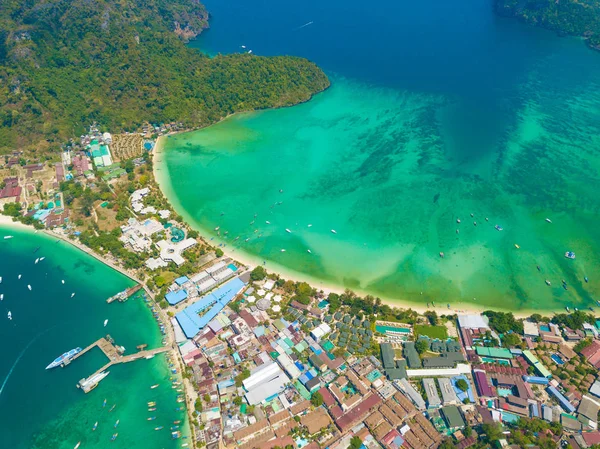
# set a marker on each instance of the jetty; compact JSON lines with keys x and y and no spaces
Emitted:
{"x":125,"y":294}
{"x":114,"y":354}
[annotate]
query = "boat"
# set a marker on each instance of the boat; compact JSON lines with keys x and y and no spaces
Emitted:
{"x":77,"y":445}
{"x":458,"y":220}
{"x":148,"y":357}
{"x":159,"y":428}
{"x":42,"y":258}
{"x":177,"y":422}
{"x":151,"y":418}
{"x":9,"y":316}
{"x":487,"y":219}
{"x":243,"y":46}
{"x":333,"y":231}
{"x":442,"y":255}
{"x":92,"y":382}
{"x":457,"y":231}
{"x":105,"y":323}
{"x":538,"y":268}
{"x":309,"y":251}
{"x":153,"y":386}
{"x":517,"y":246}
{"x":153,"y":409}
{"x":498,"y":228}
{"x":249,"y":51}
{"x":288,"y":231}
{"x":283,"y":250}
{"x":0,"y":279}
{"x":66,"y":357}
{"x":117,"y":423}
{"x":112,"y":408}
{"x":474,"y":223}
{"x":151,"y":404}
{"x":548,"y":220}
{"x":576,"y":309}
{"x":104,"y":404}
{"x":176,"y":435}
{"x":37,"y":260}
{"x":548,"y":282}
{"x":29,"y":287}
{"x":114,"y":437}
{"x":95,"y":426}
{"x":586,"y":279}
{"x":72,"y":294}
{"x":310,"y":226}
{"x":567,"y":309}
{"x":62,"y":281}
{"x":217,"y":228}
{"x":174,"y":427}
{"x":6,"y":237}
{"x":598,"y":303}
{"x":570,"y":255}
{"x":1,"y":296}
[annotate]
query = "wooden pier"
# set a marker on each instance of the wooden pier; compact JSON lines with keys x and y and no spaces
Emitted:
{"x":125,"y":294}
{"x":115,"y":356}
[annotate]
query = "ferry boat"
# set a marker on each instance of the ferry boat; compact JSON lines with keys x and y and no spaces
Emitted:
{"x":570,"y":255}
{"x":89,"y":384}
{"x":63,"y":358}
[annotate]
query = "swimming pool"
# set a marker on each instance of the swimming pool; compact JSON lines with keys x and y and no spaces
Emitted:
{"x":545,"y":328}
{"x":503,"y":392}
{"x":557,"y":359}
{"x":492,"y":360}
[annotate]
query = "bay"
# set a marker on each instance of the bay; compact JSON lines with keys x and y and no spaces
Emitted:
{"x":42,"y":408}
{"x":437,"y":111}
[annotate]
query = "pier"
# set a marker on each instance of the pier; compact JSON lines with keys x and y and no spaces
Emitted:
{"x":114,"y":354}
{"x":125,"y":294}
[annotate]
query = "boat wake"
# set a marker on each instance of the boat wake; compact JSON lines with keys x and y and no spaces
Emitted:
{"x":305,"y":25}
{"x":12,"y":368}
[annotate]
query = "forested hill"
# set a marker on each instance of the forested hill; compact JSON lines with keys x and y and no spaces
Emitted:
{"x":65,"y":63}
{"x":567,"y":17}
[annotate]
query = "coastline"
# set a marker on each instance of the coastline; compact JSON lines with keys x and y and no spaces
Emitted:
{"x":161,"y":178}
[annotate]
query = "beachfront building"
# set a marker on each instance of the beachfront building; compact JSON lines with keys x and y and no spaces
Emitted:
{"x":172,"y":251}
{"x":136,"y":236}
{"x":137,"y":198}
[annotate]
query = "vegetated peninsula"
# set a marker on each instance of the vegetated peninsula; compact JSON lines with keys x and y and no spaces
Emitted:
{"x":567,"y":17}
{"x":66,"y":63}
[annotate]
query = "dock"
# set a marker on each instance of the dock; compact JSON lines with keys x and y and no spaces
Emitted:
{"x":114,"y":354}
{"x":125,"y":294}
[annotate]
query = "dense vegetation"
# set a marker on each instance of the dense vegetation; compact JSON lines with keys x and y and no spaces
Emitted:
{"x":503,"y":322}
{"x":65,"y":63}
{"x":567,"y":17}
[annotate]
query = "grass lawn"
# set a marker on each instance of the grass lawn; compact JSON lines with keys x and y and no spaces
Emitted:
{"x":439,"y":332}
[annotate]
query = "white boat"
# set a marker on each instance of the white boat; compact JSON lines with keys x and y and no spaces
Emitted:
{"x":42,"y":258}
{"x":9,"y":315}
{"x":77,"y":445}
{"x":37,"y":260}
{"x":310,"y":226}
{"x":287,"y":230}
{"x":267,"y":222}
{"x":0,"y":279}
{"x":148,"y":357}
{"x":19,"y":277}
{"x":548,"y":220}
{"x":249,"y":51}
{"x":29,"y":287}
{"x":62,"y":281}
{"x":309,"y":251}
{"x":1,"y":296}
{"x":6,"y":237}
{"x":105,"y":323}
{"x":333,"y":231}
{"x":117,"y":423}
{"x":243,"y":46}
{"x":283,"y":250}
{"x":153,"y":386}
{"x":72,"y":294}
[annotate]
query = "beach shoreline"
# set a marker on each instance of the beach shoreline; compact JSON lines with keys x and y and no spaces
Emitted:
{"x":161,"y":177}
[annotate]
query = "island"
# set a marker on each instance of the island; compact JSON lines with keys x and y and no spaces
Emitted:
{"x":566,"y":17}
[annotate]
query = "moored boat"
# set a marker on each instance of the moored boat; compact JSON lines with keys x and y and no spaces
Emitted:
{"x":95,"y":426}
{"x":66,"y":357}
{"x":114,"y":437}
{"x":570,"y":255}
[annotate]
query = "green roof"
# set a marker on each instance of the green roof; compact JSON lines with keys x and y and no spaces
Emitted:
{"x":499,"y":353}
{"x":387,"y":355}
{"x":452,"y":416}
{"x":302,"y":390}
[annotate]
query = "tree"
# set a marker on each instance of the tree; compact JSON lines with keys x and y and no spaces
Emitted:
{"x":421,"y":346}
{"x":355,"y":443}
{"x":219,"y":252}
{"x":462,"y":385}
{"x":510,"y":340}
{"x":316,"y":399}
{"x":258,"y":274}
{"x":431,"y":315}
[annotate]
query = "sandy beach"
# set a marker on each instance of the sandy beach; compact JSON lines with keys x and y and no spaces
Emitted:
{"x":161,"y":177}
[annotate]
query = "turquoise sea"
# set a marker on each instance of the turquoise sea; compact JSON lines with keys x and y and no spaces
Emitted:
{"x":42,"y":408}
{"x":437,"y":110}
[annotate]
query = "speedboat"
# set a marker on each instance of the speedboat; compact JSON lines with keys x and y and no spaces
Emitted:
{"x":95,"y":426}
{"x":576,"y":309}
{"x":159,"y":428}
{"x":151,"y":404}
{"x":310,"y":226}
{"x":104,"y":404}
{"x":441,"y":255}
{"x":333,"y":231}
{"x":309,"y":251}
{"x":570,"y":255}
{"x":72,"y":294}
{"x":498,"y":228}
{"x":517,"y":246}
{"x":29,"y":287}
{"x":9,"y":315}
{"x":151,"y":418}
{"x":77,"y":445}
{"x":117,"y":423}
{"x":567,"y":309}
{"x":37,"y":260}
{"x":458,"y":220}
{"x":105,"y":323}
{"x":267,"y":222}
{"x":586,"y":279}
{"x":548,"y":220}
{"x":1,"y":296}
{"x":62,"y":281}
{"x":6,"y":237}
{"x":152,"y":409}
{"x":474,"y":223}
{"x":114,"y":437}
{"x":548,"y":282}
{"x":153,"y":386}
{"x":42,"y":258}
{"x":19,"y":276}
{"x":287,"y":230}
{"x":217,"y":228}
{"x":0,"y":279}
{"x":283,"y":250}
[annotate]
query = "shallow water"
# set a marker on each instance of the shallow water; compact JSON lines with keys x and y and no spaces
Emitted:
{"x":42,"y":408}
{"x":436,"y":112}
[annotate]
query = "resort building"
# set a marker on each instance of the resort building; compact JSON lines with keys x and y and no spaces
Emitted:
{"x":171,"y":251}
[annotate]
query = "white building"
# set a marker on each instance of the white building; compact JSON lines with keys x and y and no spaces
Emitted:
{"x":265,"y":381}
{"x":171,"y":251}
{"x":319,"y":332}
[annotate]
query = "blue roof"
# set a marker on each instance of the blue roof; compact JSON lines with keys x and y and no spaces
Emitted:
{"x":181,"y":280}
{"x":564,"y":402}
{"x":191,"y":322}
{"x":176,"y":297}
